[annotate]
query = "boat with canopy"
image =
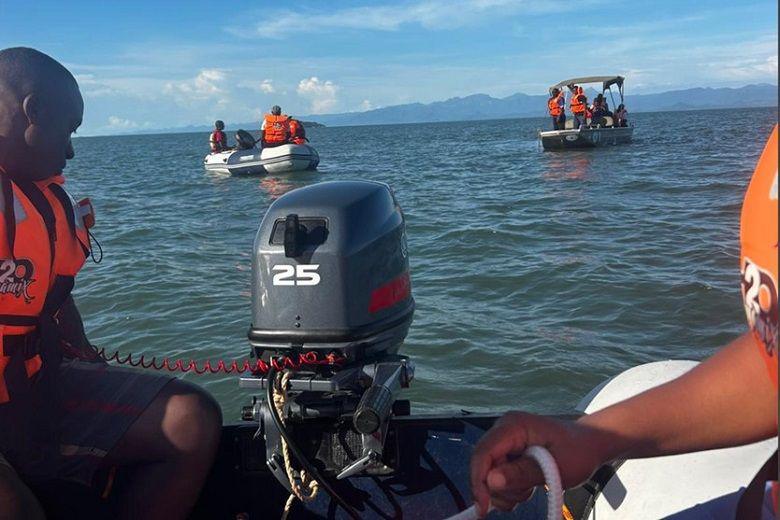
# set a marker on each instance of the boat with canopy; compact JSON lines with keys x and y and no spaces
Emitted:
{"x":601,"y":131}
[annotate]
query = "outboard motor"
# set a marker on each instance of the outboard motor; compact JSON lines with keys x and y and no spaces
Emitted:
{"x":330,"y":284}
{"x":245,"y":140}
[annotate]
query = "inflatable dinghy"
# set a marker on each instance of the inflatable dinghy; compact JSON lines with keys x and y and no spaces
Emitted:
{"x":248,"y":159}
{"x":331,"y":307}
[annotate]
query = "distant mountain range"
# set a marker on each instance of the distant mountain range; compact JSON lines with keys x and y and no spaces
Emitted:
{"x":483,"y":106}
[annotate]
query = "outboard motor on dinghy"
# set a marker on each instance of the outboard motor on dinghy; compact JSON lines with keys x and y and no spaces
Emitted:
{"x":245,"y":140}
{"x":330,"y":279}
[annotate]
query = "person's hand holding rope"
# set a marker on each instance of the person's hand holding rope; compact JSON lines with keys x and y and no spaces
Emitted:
{"x":502,"y":477}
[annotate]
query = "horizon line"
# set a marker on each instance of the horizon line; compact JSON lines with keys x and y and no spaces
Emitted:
{"x":172,"y":131}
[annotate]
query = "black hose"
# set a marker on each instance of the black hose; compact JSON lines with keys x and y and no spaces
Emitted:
{"x":304,"y":462}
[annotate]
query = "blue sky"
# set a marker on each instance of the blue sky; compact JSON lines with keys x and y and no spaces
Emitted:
{"x":156,"y":64}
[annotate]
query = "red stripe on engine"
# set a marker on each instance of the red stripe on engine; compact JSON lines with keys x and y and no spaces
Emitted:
{"x":387,"y":295}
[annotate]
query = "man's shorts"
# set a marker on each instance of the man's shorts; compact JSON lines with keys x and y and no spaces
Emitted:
{"x":4,"y":462}
{"x":100,"y":403}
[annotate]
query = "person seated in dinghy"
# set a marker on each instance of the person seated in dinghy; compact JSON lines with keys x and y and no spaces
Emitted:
{"x":297,"y":132}
{"x":66,"y":416}
{"x":275,"y":130}
{"x":218,"y":138}
{"x":730,"y":399}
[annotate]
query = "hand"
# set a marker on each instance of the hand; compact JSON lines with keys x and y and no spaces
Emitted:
{"x":501,"y":476}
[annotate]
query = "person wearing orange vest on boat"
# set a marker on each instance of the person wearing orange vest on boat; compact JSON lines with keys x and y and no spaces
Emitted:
{"x":64,"y":413}
{"x":578,"y":105}
{"x":218,"y":139}
{"x":730,"y":399}
{"x":297,"y":132}
{"x":556,"y":106}
{"x":275,"y":129}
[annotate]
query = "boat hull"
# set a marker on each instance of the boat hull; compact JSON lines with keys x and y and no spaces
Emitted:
{"x":431,"y":456}
{"x":254,"y":161}
{"x":585,"y":138}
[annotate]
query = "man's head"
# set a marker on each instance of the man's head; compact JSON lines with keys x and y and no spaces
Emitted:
{"x":219,"y":125}
{"x":276,"y":110}
{"x":40,"y":107}
{"x":555,"y":92}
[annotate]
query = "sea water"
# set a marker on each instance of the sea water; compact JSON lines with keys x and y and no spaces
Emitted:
{"x":536,"y":274}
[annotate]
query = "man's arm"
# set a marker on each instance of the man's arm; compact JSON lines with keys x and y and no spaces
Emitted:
{"x":72,"y":333}
{"x":727,"y":400}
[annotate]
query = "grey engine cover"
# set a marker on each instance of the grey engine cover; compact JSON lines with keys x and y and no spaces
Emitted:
{"x":341,"y":283}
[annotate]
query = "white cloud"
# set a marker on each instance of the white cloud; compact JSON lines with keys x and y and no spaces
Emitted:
{"x":430,"y":14}
{"x":209,"y":83}
{"x":267,"y":87}
{"x":85,"y":79}
{"x":746,"y":67}
{"x":118,"y":123}
{"x":366,"y":105}
{"x":321,"y":94}
{"x":92,"y":87}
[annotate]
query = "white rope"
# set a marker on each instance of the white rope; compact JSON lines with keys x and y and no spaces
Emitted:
{"x":553,"y":479}
{"x":551,"y":476}
{"x":308,"y":487}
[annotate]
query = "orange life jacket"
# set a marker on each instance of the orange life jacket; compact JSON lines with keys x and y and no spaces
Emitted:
{"x":578,"y":102}
{"x":553,"y":107}
{"x":297,"y":132}
{"x":277,"y":129}
{"x":43,"y":244}
{"x":758,"y":258}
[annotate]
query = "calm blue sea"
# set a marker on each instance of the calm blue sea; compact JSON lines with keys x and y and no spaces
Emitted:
{"x":536,"y":274}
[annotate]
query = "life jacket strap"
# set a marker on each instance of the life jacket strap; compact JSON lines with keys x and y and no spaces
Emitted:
{"x":9,"y":212}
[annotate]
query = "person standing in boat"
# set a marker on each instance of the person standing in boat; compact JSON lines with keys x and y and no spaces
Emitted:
{"x":578,"y":105}
{"x":556,"y":106}
{"x":621,"y":115}
{"x":729,"y":399}
{"x":297,"y":132}
{"x":64,"y":413}
{"x":275,"y":129}
{"x":218,"y":139}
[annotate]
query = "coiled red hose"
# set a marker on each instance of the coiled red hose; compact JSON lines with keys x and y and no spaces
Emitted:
{"x":258,"y":367}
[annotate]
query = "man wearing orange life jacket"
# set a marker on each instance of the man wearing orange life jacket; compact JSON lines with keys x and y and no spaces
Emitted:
{"x":297,"y":132}
{"x":65,"y":414}
{"x":578,"y":105}
{"x":275,"y":129}
{"x":556,"y":106}
{"x":730,"y":399}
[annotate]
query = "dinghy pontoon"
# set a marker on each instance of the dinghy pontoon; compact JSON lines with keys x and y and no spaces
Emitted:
{"x":247,"y":159}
